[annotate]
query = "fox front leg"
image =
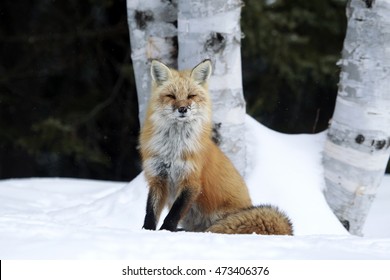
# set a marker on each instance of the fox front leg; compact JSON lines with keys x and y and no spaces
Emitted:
{"x":150,"y":217}
{"x":154,"y":205}
{"x":178,"y":210}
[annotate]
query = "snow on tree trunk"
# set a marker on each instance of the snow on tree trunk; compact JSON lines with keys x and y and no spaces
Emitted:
{"x":153,"y":35}
{"x":358,"y":140}
{"x":211,"y":29}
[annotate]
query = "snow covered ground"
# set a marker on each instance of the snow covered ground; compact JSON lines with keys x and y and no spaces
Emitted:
{"x":53,"y":218}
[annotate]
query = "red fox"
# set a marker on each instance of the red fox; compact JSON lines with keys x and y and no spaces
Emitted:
{"x":186,"y":170}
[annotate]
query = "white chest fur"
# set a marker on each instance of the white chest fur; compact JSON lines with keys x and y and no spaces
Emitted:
{"x":169,"y":143}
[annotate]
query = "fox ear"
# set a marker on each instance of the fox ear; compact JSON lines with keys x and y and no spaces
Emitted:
{"x":201,"y":72}
{"x":160,"y":72}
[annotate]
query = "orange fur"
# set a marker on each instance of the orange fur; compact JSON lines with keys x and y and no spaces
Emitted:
{"x":184,"y":168}
{"x":265,"y":219}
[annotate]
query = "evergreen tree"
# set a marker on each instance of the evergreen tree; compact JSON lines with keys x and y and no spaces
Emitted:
{"x":68,"y":103}
{"x":290,"y":50}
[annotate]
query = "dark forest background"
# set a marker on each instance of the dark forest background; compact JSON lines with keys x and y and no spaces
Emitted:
{"x":68,"y":105}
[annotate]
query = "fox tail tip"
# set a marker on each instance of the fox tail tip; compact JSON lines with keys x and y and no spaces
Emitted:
{"x":262,"y":219}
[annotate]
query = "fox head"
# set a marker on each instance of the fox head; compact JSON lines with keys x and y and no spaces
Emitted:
{"x":180,"y":96}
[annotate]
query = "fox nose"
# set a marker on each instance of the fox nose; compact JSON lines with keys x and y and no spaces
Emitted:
{"x":182,"y":110}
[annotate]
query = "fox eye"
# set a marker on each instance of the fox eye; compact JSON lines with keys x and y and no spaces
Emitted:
{"x":171,"y":96}
{"x":191,"y":96}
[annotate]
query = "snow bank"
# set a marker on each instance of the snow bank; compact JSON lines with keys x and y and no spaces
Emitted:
{"x":51,"y":218}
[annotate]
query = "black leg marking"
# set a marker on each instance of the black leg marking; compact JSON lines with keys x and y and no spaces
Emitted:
{"x":150,"y":217}
{"x":175,"y":214}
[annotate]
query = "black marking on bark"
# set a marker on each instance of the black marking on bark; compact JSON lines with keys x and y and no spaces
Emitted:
{"x":168,"y":1}
{"x":216,"y":134}
{"x":369,"y":3}
{"x":142,"y":18}
{"x":359,"y":139}
{"x":175,"y":47}
{"x":346,"y":224}
{"x":380,"y":144}
{"x":216,"y":42}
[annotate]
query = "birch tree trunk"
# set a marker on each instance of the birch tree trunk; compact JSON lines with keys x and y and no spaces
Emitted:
{"x":358,"y":140}
{"x":211,"y":29}
{"x":153,"y":35}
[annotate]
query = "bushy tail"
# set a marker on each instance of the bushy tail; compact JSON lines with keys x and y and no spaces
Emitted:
{"x":263,"y":219}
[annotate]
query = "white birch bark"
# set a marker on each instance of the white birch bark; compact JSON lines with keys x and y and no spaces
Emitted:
{"x":153,"y":35}
{"x":211,"y":29}
{"x":357,"y":146}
